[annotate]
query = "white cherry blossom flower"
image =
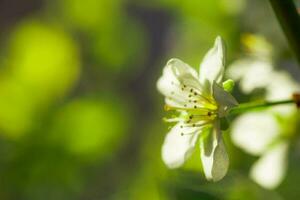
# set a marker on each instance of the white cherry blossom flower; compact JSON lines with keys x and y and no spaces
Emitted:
{"x":261,"y":137}
{"x":201,"y":102}
{"x":262,"y":134}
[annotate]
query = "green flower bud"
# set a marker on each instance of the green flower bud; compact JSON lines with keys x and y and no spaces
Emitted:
{"x":228,"y":85}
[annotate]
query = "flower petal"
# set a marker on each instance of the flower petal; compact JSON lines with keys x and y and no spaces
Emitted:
{"x":281,"y":89}
{"x":254,"y":131}
{"x":181,"y":68}
{"x":270,"y":169}
{"x":214,"y":157}
{"x":247,"y":70}
{"x":212,"y":66}
{"x":177,"y":80}
{"x":177,"y":147}
{"x":224,"y":99}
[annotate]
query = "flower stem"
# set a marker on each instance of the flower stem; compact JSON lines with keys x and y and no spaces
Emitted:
{"x":289,"y":20}
{"x":258,"y":105}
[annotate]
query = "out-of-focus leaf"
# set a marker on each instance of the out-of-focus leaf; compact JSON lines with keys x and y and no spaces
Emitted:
{"x":92,"y":126}
{"x":42,"y":65}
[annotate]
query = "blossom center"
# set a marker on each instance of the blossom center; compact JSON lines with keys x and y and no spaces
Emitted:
{"x":196,"y":109}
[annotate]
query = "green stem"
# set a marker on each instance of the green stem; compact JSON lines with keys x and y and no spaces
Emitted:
{"x":289,"y":20}
{"x":257,"y":105}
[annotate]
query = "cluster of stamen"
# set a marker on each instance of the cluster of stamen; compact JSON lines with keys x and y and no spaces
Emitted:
{"x":194,"y":97}
{"x":197,"y":120}
{"x":199,"y":115}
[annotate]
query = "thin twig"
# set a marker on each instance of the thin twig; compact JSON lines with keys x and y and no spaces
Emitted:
{"x":258,"y":105}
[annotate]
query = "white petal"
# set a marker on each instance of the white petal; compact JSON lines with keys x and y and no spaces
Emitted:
{"x":270,"y":169}
{"x":176,"y":76}
{"x":238,"y":69}
{"x":282,"y":89}
{"x":212,"y":66}
{"x":252,"y":73}
{"x":177,"y":147}
{"x":224,"y":99}
{"x":181,"y":68}
{"x":214,"y":157}
{"x":254,"y":131}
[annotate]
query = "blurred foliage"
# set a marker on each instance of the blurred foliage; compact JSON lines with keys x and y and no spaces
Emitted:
{"x":108,"y":31}
{"x":77,"y":124}
{"x":80,"y":117}
{"x":37,"y":71}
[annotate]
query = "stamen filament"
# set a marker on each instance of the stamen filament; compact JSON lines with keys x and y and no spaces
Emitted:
{"x":202,"y":108}
{"x":195,"y":125}
{"x":172,"y":119}
{"x":192,"y":89}
{"x":195,"y":131}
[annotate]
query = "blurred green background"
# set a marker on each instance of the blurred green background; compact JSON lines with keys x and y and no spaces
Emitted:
{"x":80,"y":116}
